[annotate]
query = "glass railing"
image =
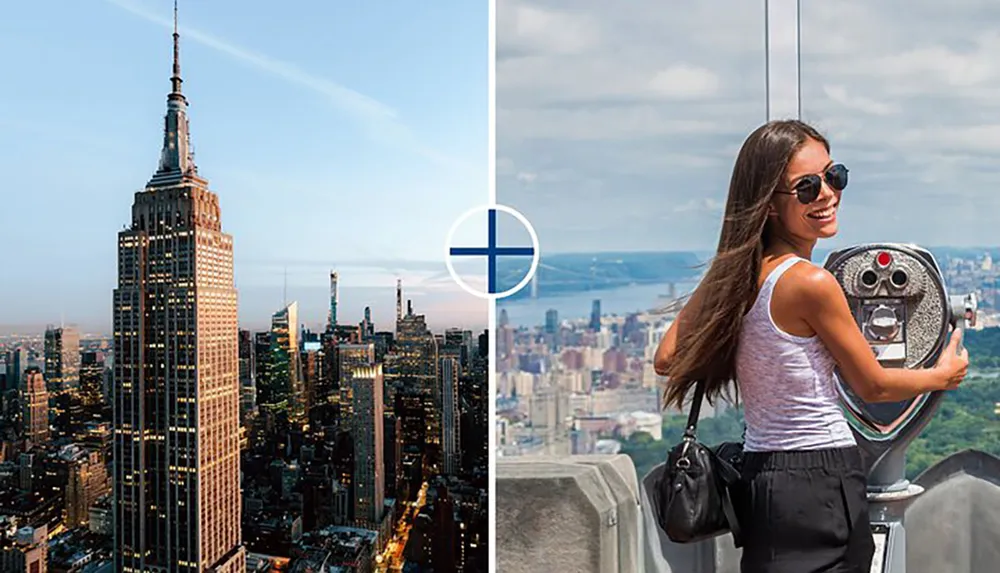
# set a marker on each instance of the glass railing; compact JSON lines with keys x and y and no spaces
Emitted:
{"x":617,"y":130}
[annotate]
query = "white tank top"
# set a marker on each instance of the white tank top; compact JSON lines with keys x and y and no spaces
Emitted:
{"x":786,"y":383}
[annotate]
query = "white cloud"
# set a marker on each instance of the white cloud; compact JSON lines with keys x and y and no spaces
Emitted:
{"x":525,"y":177}
{"x":970,"y":139}
{"x":620,"y":123}
{"x":704,"y":204}
{"x":548,"y":31}
{"x":863,"y":104}
{"x":684,"y":81}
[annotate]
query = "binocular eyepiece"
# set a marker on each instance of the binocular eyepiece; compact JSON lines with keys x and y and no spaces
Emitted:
{"x":899,"y":300}
{"x":898,"y":297}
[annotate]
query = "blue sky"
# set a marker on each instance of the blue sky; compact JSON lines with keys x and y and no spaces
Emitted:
{"x":336,"y":133}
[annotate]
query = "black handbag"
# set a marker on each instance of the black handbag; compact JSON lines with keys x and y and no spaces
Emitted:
{"x":694,"y":492}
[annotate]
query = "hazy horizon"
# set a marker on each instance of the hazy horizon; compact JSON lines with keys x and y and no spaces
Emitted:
{"x":432,"y":297}
{"x":438,"y":305}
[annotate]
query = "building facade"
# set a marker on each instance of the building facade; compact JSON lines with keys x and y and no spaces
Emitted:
{"x":283,"y":393}
{"x":369,"y":462}
{"x":176,"y":371}
{"x":34,"y":408}
{"x":451,"y":452}
{"x":62,"y":358}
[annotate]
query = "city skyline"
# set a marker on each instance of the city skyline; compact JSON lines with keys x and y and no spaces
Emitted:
{"x":617,"y":128}
{"x":190,"y":444}
{"x":294,"y":136}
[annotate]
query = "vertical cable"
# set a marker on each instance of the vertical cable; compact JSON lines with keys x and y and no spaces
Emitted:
{"x":798,"y":55}
{"x":767,"y":64}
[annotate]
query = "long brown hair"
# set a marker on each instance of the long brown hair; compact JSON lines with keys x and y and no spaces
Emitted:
{"x":707,"y":341}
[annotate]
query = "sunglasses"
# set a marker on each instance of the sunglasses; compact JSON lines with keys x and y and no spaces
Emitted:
{"x":807,"y":188}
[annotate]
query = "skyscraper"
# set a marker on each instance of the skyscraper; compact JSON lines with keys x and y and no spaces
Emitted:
{"x":248,"y":374}
{"x":334,"y":291}
{"x":34,"y":408}
{"x":284,"y":391}
{"x":351,"y":356}
{"x":92,"y":379}
{"x":399,"y":300}
{"x":367,"y":326}
{"x":595,"y":315}
{"x":62,"y":358}
{"x":551,"y":321}
{"x":416,"y":368}
{"x":17,"y":362}
{"x":369,"y":465}
{"x":450,"y":442}
{"x":176,"y":405}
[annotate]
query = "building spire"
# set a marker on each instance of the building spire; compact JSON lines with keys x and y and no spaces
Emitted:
{"x":177,"y":157}
{"x":175,"y":80}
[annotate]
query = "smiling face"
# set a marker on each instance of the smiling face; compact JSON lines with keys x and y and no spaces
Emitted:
{"x":818,"y":219}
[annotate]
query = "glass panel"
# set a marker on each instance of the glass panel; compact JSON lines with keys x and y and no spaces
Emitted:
{"x":617,"y":129}
{"x":906,"y":91}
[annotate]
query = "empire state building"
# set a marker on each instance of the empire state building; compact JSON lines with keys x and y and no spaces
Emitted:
{"x":176,"y":400}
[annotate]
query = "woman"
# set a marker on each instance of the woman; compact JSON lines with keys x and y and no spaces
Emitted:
{"x":768,"y":318}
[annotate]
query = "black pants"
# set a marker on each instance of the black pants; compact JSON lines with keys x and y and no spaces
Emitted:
{"x":805,"y":512}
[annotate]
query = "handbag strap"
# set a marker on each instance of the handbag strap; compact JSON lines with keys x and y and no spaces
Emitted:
{"x":692,"y":423}
{"x":699,"y":395}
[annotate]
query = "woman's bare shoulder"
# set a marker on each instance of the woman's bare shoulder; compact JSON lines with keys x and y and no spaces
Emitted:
{"x":808,"y":283}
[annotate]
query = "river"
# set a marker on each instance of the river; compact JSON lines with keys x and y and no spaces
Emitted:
{"x":620,"y":301}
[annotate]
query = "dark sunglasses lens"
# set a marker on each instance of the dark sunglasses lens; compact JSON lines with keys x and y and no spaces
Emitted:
{"x":836,"y":177}
{"x":808,"y":189}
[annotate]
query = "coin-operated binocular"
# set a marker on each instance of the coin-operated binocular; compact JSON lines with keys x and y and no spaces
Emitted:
{"x":898,"y":297}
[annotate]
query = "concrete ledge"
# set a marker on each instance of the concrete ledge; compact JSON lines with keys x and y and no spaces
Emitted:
{"x":568,"y":513}
{"x":955,"y":524}
{"x":589,"y":514}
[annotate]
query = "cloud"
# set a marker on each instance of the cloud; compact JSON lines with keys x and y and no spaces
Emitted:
{"x":547,"y":30}
{"x":526,"y":177}
{"x":705,"y":204}
{"x":628,"y":116}
{"x":863,"y":104}
{"x":684,"y":81}
{"x":381,"y":122}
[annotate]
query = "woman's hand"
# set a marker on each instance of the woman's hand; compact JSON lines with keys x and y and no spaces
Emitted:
{"x":953,"y":364}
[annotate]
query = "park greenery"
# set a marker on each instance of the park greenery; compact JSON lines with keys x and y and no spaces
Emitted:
{"x":966,"y":419}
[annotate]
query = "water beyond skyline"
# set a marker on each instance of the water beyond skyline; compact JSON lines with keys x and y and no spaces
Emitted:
{"x":620,"y":301}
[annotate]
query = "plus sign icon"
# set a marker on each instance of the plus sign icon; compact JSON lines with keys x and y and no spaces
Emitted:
{"x":474,"y":236}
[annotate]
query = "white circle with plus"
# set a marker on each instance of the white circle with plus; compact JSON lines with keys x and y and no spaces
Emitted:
{"x":491,"y":251}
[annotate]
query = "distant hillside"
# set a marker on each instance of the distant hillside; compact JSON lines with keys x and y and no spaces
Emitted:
{"x":569,"y":273}
{"x":984,"y":348}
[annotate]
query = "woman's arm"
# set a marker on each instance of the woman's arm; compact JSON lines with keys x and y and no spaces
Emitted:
{"x":824,"y":307}
{"x":668,"y":344}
